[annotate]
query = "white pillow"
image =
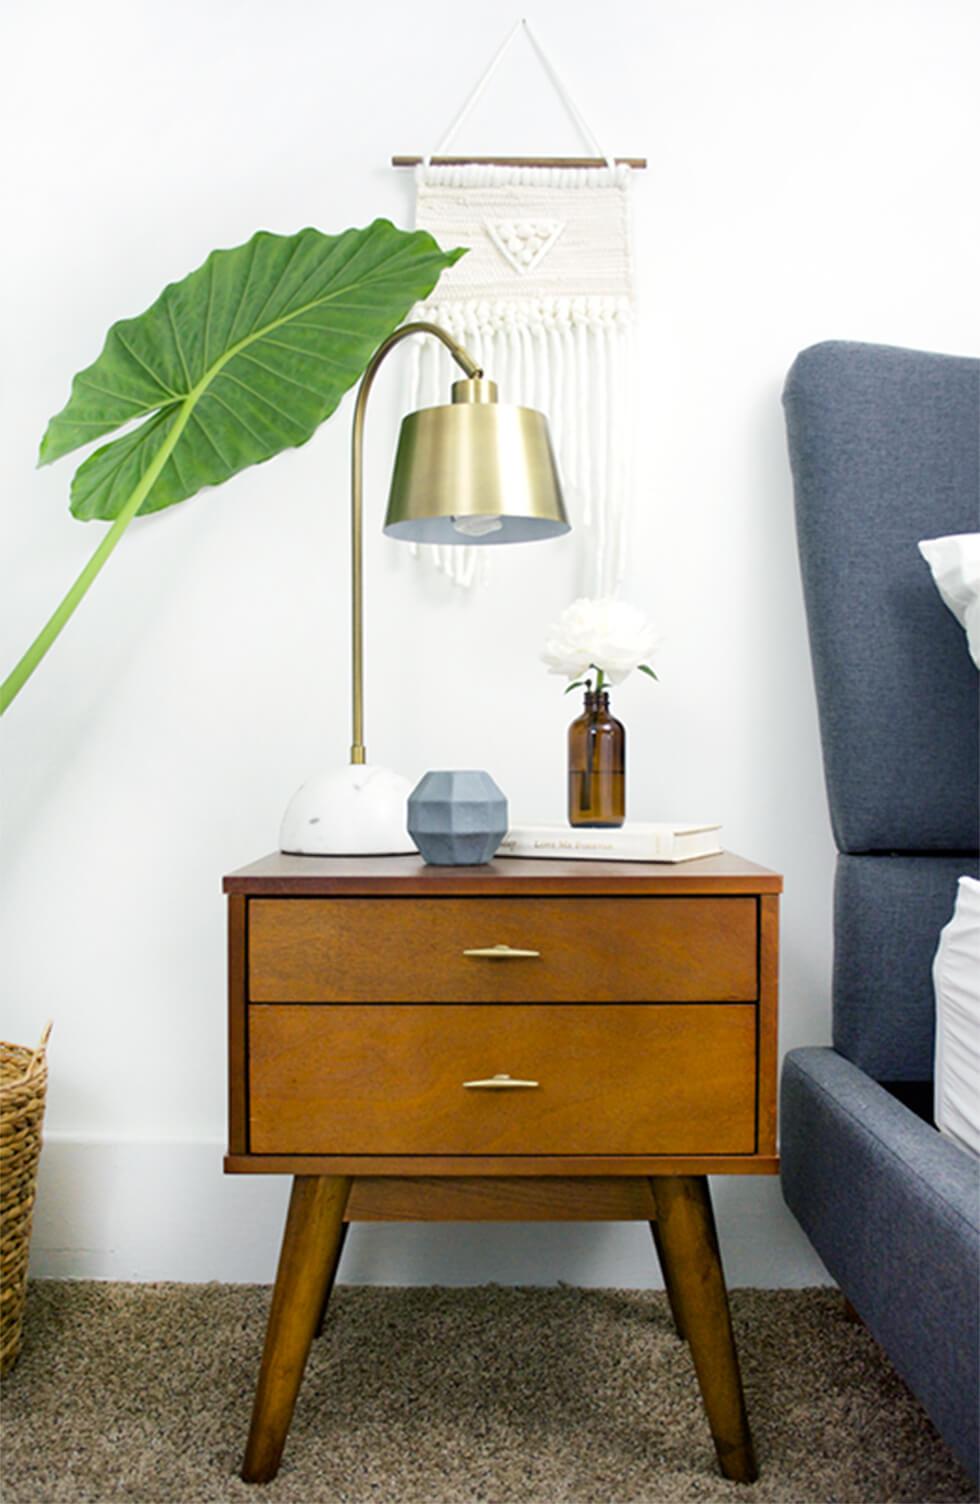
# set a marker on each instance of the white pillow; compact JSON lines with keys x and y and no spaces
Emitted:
{"x":956,"y":975}
{"x":955,"y":565}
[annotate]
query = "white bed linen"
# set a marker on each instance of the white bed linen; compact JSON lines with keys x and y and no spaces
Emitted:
{"x":955,"y":565}
{"x":956,"y":974}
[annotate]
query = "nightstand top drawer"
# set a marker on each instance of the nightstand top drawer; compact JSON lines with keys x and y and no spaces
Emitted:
{"x":630,"y":1080}
{"x":486,"y":950}
{"x":402,"y":876}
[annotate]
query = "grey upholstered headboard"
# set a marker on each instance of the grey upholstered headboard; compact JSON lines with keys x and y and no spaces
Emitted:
{"x":885,"y":449}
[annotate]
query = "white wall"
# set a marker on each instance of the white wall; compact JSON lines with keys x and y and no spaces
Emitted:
{"x":811,"y":176}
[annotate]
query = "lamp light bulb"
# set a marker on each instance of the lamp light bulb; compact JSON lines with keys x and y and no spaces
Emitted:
{"x":477,"y":526}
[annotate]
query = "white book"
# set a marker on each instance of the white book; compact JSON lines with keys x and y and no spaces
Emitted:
{"x":635,"y":841}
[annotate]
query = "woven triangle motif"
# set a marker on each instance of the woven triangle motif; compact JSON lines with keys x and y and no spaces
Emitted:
{"x":524,"y":242}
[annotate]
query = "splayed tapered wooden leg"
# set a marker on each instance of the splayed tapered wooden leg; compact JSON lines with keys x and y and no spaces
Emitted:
{"x":332,"y":1277}
{"x":669,"y":1286}
{"x":307,"y":1262}
{"x":686,"y":1227}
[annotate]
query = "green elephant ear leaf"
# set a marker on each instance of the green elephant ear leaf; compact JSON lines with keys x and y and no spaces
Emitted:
{"x":243,"y":358}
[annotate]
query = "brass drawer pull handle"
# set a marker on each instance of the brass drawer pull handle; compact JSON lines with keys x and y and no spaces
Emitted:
{"x":499,"y":1083}
{"x":501,"y":952}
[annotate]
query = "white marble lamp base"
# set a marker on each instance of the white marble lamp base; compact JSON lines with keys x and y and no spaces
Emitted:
{"x":360,"y":810}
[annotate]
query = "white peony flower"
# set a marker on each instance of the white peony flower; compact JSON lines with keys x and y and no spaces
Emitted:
{"x":605,"y":635}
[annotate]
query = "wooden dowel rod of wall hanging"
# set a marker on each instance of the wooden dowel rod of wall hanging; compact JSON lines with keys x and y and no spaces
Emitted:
{"x":637,"y":162}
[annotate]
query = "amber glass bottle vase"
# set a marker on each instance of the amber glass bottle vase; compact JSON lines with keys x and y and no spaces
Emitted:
{"x":596,"y":765}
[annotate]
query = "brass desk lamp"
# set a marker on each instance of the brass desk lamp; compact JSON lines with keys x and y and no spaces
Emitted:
{"x":477,"y":472}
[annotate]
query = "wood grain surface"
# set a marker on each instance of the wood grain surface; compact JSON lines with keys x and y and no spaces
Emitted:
{"x":314,"y":1228}
{"x":688,"y":1245}
{"x":367,"y":950}
{"x":529,"y":1166}
{"x":400,"y":876}
{"x":647,"y":1022}
{"x":501,"y":1199}
{"x":768,"y":1021}
{"x":237,"y":1025}
{"x":614,"y":1079}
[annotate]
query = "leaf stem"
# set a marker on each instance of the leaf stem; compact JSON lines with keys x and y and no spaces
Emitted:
{"x":23,"y":670}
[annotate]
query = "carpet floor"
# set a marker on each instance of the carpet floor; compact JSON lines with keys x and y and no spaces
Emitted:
{"x":483,"y":1395}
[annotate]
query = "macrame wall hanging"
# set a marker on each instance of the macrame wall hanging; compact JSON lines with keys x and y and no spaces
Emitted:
{"x":544,"y":300}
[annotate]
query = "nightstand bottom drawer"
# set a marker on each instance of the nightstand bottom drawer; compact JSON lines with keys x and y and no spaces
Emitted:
{"x":502,"y":1079}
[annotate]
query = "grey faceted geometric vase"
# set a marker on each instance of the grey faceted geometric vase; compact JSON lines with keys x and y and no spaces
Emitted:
{"x":457,"y":818}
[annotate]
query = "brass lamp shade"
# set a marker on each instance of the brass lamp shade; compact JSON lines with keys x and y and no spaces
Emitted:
{"x":475,"y":472}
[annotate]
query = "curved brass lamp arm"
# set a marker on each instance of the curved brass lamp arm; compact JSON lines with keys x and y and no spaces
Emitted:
{"x":358,"y":752}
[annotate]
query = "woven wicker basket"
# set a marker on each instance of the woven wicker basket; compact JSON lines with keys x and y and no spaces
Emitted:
{"x":23,"y":1084}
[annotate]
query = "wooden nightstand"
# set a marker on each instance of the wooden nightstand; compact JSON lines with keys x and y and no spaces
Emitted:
{"x":524,"y":1040}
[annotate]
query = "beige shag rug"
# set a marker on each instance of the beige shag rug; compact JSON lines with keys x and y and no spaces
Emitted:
{"x":453,"y":1396}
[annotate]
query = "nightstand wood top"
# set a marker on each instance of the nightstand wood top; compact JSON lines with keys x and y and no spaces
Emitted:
{"x":281,"y":875}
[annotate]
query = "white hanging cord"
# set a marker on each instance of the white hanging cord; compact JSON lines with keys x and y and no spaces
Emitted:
{"x":566,"y":98}
{"x":557,"y":84}
{"x":476,"y":93}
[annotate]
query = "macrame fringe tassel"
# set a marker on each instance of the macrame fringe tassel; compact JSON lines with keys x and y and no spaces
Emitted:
{"x":570,"y":358}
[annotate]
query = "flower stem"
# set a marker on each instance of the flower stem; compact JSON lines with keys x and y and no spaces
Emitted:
{"x":23,"y":670}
